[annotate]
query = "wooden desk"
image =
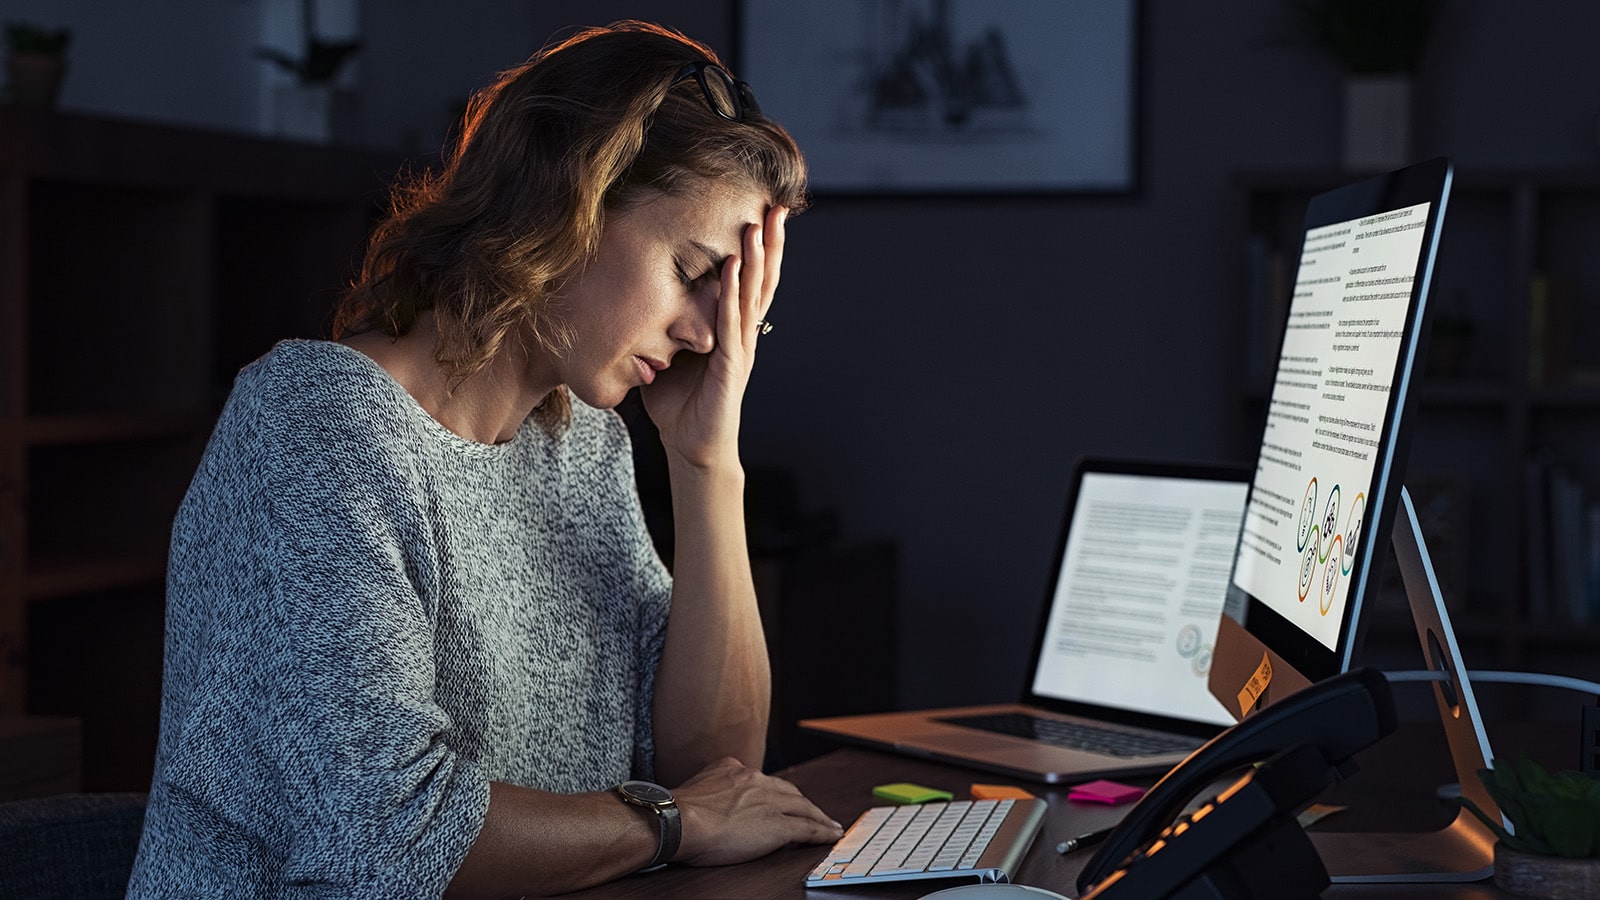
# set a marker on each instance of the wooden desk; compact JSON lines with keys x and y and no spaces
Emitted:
{"x":1385,"y":795}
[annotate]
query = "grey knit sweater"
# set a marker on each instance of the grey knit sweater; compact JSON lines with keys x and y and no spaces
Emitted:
{"x":370,"y":618}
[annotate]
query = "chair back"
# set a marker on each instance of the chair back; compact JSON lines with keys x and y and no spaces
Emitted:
{"x":70,"y":846}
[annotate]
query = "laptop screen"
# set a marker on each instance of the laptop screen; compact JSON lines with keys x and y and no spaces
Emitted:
{"x":1140,"y":580}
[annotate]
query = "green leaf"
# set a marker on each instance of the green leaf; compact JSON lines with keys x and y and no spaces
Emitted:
{"x":1532,"y":775}
{"x":1568,"y":826}
{"x":1552,"y":814}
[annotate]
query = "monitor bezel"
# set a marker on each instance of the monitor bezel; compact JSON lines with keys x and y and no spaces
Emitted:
{"x":1427,"y":182}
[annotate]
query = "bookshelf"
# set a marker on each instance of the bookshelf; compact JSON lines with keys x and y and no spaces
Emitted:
{"x":1503,"y":463}
{"x":140,"y":267}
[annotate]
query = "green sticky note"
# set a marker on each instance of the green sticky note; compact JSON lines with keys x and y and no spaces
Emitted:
{"x":905,"y":792}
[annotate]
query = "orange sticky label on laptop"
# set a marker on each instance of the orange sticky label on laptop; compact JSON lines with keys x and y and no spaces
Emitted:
{"x":999,"y":792}
{"x":1252,"y":690}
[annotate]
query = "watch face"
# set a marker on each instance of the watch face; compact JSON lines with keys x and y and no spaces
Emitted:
{"x":653,"y":794}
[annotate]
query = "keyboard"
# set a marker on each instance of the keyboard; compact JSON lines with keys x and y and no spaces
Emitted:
{"x":982,"y":838}
{"x":1079,"y":735}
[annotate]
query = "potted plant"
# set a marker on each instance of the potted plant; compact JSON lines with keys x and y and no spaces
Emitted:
{"x":1553,"y":849}
{"x":37,"y":63}
{"x":1379,"y":44}
{"x":313,"y":107}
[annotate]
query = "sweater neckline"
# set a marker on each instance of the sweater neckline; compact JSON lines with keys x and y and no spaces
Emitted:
{"x":424,"y":418}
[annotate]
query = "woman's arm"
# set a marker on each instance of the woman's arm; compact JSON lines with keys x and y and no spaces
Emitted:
{"x":713,"y":688}
{"x":713,"y":685}
{"x":535,"y":843}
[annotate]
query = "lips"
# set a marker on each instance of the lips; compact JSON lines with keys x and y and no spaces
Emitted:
{"x":648,"y":368}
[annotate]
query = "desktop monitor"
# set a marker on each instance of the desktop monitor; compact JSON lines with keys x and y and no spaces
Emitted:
{"x":1329,"y":470}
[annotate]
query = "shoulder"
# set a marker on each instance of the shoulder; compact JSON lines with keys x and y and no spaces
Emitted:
{"x":322,"y":390}
{"x":310,"y":408}
{"x":307,"y":376}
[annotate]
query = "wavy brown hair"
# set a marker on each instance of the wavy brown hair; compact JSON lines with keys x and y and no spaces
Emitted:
{"x":586,"y":125}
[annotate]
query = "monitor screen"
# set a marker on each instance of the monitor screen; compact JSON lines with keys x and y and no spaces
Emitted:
{"x":1333,"y":447}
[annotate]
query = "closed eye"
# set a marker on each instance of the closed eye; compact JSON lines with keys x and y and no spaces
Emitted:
{"x":709,"y":274}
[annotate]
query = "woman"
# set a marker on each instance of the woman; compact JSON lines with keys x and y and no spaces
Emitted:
{"x":417,"y":635}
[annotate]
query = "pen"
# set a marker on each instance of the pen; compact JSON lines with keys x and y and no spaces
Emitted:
{"x":1083,"y":840}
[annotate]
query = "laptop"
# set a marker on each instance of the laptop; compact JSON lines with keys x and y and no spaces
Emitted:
{"x":1117,"y":684}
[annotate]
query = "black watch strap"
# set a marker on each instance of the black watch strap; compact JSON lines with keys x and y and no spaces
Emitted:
{"x":656,"y":800}
{"x":671,"y":834}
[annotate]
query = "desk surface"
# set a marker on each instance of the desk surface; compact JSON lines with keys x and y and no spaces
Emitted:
{"x":1392,"y":792}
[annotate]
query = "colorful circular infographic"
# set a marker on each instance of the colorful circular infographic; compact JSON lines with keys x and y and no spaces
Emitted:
{"x":1308,"y":564}
{"x":1308,"y":506}
{"x":1330,"y":524}
{"x":1352,"y":532}
{"x":1330,"y":574}
{"x":1188,"y":641}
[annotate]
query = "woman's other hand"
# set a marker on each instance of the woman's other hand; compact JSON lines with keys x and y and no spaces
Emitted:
{"x":733,"y":813}
{"x":695,"y":404}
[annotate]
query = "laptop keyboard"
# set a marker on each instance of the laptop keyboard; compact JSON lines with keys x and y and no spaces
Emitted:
{"x":1077,"y":735}
{"x":983,"y":838}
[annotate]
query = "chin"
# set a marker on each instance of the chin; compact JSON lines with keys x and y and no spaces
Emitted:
{"x":600,"y":396}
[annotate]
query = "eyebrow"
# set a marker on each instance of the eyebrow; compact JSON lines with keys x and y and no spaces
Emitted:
{"x":713,"y":256}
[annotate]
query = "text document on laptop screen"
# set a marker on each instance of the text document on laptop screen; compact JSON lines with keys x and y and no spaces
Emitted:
{"x":1142,"y":581}
{"x":1329,"y":400}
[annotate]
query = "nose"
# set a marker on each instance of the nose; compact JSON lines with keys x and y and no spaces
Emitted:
{"x":696,"y":328}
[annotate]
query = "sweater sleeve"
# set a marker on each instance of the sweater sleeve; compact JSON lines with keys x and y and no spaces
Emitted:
{"x":314,"y":733}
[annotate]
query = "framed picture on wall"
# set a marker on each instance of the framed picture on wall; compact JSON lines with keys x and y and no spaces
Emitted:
{"x":950,"y":96}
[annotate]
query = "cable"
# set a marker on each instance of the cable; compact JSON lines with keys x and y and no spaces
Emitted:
{"x":1497,"y":677}
{"x":1589,"y":748}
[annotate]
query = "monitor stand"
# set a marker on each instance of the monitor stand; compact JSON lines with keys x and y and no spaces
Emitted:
{"x":1464,"y":849}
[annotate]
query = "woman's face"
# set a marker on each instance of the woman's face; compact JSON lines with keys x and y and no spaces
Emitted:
{"x":652,"y":289}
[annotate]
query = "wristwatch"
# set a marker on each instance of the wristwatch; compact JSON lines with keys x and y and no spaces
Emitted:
{"x":657,"y":800}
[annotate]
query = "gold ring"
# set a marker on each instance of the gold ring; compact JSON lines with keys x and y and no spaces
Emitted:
{"x":763,"y":327}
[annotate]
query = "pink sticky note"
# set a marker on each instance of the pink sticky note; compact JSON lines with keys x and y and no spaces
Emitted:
{"x":1102,"y":791}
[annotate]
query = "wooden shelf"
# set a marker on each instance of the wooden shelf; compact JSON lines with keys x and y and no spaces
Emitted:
{"x":125,"y":154}
{"x":1465,"y":393}
{"x":1466,"y":180}
{"x":1585,"y":398}
{"x":141,"y":265}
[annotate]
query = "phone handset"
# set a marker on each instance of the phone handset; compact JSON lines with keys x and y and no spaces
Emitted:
{"x":1337,"y":717}
{"x":1243,"y":844}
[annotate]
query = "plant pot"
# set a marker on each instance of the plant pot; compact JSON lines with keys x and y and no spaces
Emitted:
{"x":1545,"y":877}
{"x":1377,"y":121}
{"x":35,"y":78}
